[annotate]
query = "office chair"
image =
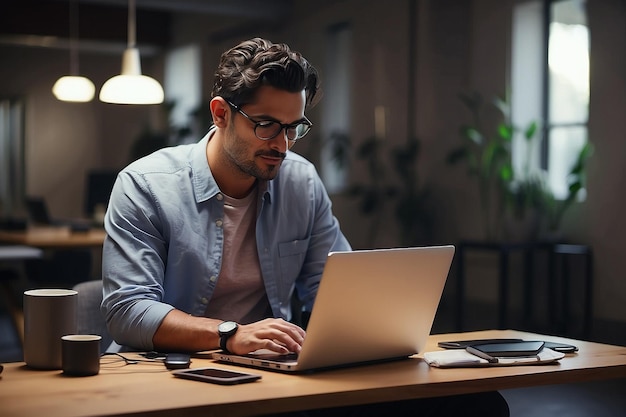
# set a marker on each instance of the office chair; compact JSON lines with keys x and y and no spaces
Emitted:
{"x":89,"y":317}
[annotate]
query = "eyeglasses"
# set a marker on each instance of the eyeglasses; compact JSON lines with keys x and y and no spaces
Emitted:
{"x":269,"y":129}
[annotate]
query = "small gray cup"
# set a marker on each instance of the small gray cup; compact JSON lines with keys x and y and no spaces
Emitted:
{"x":81,"y":354}
{"x":49,"y":314}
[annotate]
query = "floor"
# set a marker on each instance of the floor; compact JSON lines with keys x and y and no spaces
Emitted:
{"x":597,"y":399}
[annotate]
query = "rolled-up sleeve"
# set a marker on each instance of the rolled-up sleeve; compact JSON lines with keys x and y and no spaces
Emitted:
{"x":134,"y":255}
{"x":162,"y":249}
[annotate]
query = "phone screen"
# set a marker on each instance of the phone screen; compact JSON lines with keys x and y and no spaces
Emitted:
{"x":216,"y":373}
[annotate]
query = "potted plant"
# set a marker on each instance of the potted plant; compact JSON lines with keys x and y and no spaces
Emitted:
{"x":403,"y":190}
{"x":553,"y":209}
{"x":488,"y":158}
{"x":523,"y":202}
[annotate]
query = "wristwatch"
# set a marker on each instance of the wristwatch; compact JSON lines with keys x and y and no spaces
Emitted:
{"x":226,"y":329}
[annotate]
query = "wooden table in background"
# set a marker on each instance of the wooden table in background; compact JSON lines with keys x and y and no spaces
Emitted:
{"x":50,"y":239}
{"x":150,"y":390}
{"x":54,"y":237}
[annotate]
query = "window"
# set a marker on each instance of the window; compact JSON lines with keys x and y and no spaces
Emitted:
{"x":12,"y":178}
{"x":568,"y":89}
{"x":336,"y":112}
{"x":550,"y":84}
{"x":183,"y":88}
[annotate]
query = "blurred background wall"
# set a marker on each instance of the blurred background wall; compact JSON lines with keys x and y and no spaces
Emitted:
{"x":407,"y":63}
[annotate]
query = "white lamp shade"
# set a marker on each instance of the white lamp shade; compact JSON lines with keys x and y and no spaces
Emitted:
{"x":74,"y":88}
{"x":131,"y":87}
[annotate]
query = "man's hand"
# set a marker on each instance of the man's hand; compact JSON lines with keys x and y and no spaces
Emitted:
{"x":276,"y":335}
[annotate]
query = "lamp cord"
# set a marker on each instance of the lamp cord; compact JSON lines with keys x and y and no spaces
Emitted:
{"x":131,"y":24}
{"x":73,"y":37}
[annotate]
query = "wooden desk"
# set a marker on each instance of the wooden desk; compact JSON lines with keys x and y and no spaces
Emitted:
{"x":148,"y":389}
{"x":54,"y":237}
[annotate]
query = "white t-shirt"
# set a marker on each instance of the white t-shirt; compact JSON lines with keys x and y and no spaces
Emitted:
{"x":240,"y":292}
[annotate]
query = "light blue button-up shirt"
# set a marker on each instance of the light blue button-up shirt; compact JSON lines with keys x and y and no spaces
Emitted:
{"x":165,"y":239}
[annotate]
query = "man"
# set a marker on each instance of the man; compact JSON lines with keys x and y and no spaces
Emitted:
{"x":207,"y":242}
{"x":226,"y":229}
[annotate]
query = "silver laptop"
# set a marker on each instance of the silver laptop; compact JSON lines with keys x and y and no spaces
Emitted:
{"x":372,"y":305}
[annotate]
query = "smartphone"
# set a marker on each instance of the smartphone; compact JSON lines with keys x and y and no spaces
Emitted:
{"x":510,"y":350}
{"x":561,"y":347}
{"x":216,"y":376}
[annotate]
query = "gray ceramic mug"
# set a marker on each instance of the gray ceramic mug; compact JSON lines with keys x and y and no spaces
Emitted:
{"x":49,"y":314}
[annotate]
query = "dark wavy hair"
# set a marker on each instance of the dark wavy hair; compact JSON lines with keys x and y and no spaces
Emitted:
{"x":258,"y":62}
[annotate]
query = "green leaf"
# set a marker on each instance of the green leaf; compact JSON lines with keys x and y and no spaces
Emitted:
{"x":575,"y":187}
{"x":502,"y":105}
{"x":472,"y":134}
{"x":530,"y":131}
{"x":505,"y":131}
{"x":506,"y":173}
{"x":583,"y":155}
{"x":488,"y":158}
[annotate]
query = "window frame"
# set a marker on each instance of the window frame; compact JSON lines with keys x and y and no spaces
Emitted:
{"x":541,"y":159}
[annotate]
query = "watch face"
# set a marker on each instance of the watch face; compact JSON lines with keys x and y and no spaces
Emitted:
{"x":226,"y":327}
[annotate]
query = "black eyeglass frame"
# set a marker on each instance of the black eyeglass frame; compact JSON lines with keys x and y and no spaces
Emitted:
{"x":306,"y":122}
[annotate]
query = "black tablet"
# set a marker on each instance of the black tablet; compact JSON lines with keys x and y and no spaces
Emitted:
{"x":462,"y":344}
{"x":511,"y":349}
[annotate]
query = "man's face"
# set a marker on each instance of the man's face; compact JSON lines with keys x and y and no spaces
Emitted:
{"x":258,"y":158}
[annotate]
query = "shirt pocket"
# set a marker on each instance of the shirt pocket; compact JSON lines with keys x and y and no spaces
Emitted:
{"x":291,"y":255}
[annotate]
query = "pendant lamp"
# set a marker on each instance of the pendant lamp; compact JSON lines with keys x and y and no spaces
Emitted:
{"x":131,"y":87}
{"x":73,"y":87}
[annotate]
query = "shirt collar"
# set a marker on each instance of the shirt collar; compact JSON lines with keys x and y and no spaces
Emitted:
{"x":204,"y":184}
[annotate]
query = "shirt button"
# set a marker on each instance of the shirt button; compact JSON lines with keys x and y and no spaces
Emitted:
{"x":220,"y":197}
{"x":213,"y":278}
{"x":204,"y":301}
{"x":219,"y":223}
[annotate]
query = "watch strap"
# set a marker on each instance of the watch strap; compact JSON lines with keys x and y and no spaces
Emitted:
{"x":223,"y":340}
{"x":225,"y":330}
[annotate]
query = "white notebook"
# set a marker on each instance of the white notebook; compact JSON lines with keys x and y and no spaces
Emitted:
{"x":460,"y":358}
